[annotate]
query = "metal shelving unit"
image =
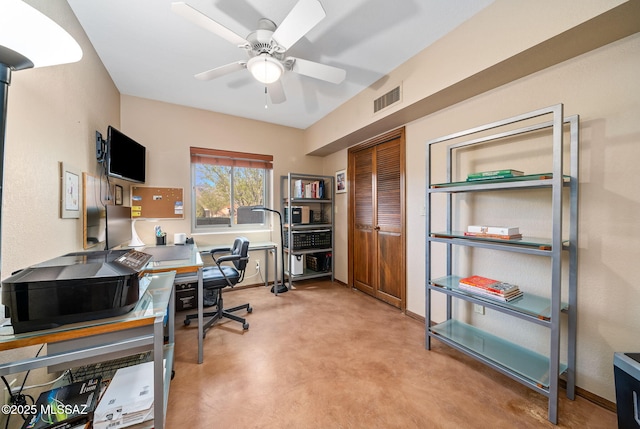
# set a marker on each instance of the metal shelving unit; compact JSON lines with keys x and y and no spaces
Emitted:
{"x":538,"y":371}
{"x":313,"y":236}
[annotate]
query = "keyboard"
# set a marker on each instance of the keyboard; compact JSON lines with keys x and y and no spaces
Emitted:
{"x":134,"y":259}
{"x":107,"y":369}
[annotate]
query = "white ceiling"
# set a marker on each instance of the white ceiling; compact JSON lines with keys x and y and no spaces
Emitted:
{"x":151,"y":52}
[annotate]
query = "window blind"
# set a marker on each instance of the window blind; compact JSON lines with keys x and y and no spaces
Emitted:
{"x":230,"y":159}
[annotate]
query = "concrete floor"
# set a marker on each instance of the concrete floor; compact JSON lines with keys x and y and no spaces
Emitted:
{"x":325,"y":356}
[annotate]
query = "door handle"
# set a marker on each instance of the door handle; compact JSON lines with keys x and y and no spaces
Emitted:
{"x":377,"y":228}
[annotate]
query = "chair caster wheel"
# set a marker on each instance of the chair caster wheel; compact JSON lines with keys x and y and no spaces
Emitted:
{"x":187,"y":322}
{"x":245,"y":326}
{"x":249,"y":309}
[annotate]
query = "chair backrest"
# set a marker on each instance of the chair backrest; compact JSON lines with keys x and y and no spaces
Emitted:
{"x":241,"y":247}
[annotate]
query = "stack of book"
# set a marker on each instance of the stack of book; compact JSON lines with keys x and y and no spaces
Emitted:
{"x":489,"y":288}
{"x":498,"y":232}
{"x":507,"y":173}
{"x":313,"y":189}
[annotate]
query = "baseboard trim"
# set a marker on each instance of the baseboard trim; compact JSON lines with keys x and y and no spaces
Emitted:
{"x":415,"y":316}
{"x":592,"y":397}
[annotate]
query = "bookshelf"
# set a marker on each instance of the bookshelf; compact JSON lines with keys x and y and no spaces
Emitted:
{"x":307,"y":210}
{"x":552,"y":305}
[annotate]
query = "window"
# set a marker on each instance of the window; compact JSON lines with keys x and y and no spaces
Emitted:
{"x":226,"y":186}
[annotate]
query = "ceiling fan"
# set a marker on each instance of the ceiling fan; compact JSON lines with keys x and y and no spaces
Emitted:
{"x":267,"y":46}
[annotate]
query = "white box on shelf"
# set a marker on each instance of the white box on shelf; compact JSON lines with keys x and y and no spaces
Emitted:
{"x":128,"y":399}
{"x":296,"y":267}
{"x":497,"y":230}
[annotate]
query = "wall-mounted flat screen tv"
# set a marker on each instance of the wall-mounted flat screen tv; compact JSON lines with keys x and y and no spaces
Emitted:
{"x":126,"y":158}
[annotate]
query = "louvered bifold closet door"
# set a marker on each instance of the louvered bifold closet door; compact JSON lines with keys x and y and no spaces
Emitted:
{"x":390,"y":255}
{"x":377,"y":249}
{"x":364,"y":266}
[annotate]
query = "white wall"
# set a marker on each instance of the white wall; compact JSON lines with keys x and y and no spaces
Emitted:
{"x":331,"y":164}
{"x":169,"y":130}
{"x":52,"y":116}
{"x":602,"y":87}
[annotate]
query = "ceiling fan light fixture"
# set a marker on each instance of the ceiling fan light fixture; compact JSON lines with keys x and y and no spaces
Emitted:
{"x":265,"y":68}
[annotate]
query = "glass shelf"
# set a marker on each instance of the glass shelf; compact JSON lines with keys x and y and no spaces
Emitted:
{"x":526,"y":178}
{"x":308,"y":200}
{"x":539,"y":242}
{"x":526,"y":363}
{"x":530,"y":304}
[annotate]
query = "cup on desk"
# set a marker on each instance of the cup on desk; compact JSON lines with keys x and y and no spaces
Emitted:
{"x":161,"y":240}
{"x":179,"y":238}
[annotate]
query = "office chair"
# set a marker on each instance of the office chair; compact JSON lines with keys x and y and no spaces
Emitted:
{"x":218,"y":277}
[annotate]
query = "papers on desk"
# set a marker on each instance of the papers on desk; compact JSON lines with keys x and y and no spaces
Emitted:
{"x":128,"y":399}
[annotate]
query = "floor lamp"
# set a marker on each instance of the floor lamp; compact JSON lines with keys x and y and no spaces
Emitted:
{"x":28,"y":39}
{"x":280,"y":288}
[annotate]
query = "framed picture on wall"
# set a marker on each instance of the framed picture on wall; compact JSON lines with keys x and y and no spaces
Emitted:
{"x":341,"y":181}
{"x":118,"y":195}
{"x":70,"y":204}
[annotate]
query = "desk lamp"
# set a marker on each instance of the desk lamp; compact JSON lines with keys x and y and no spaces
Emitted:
{"x":136,"y":241}
{"x":281,"y":288}
{"x":135,"y":238}
{"x":28,"y":39}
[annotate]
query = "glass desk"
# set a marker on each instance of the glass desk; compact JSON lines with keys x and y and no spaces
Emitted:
{"x":140,"y":330}
{"x":180,"y":259}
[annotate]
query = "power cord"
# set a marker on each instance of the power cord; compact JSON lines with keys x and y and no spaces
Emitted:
{"x":19,"y":398}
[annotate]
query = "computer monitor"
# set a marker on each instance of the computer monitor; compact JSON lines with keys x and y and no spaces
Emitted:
{"x":118,"y":226}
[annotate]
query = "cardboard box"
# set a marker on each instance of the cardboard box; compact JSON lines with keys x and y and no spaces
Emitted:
{"x":305,"y":215}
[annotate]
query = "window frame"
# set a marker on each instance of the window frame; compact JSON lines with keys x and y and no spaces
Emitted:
{"x":233,"y":160}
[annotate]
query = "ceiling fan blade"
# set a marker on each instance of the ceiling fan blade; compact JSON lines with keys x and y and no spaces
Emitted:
{"x":276,"y":92}
{"x":221,"y":71}
{"x":305,"y":15}
{"x":318,"y":71}
{"x":199,"y":18}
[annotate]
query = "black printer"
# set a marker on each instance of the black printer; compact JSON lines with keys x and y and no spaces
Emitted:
{"x":72,"y":288}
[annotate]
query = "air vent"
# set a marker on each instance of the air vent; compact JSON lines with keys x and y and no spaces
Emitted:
{"x":386,"y":100}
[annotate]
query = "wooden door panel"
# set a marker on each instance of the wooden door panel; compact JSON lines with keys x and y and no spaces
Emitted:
{"x":363,"y":189}
{"x":388,"y":189}
{"x":363,"y":258}
{"x":363,"y":261}
{"x":390,"y":268}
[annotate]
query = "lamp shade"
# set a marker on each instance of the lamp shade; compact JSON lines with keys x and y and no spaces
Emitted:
{"x":28,"y":38}
{"x":265,"y":68}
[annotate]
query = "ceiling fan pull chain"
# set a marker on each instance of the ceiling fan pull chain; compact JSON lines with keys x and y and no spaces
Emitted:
{"x":266,"y":106}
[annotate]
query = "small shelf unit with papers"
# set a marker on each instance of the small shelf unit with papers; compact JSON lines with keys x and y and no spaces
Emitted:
{"x":307,"y":210}
{"x":554,"y":306}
